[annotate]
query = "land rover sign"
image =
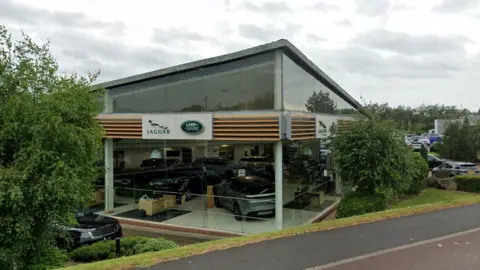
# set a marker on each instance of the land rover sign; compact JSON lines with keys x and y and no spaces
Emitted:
{"x":192,"y":127}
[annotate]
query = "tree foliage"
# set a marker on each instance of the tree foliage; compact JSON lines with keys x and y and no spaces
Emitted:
{"x":461,"y":141}
{"x":371,"y":155}
{"x":321,"y":102}
{"x":49,"y":142}
{"x":414,"y":119}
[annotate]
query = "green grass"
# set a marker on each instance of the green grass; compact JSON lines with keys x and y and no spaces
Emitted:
{"x":426,"y":202}
{"x":433,"y":195}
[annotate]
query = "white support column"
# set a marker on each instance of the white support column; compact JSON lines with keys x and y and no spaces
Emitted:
{"x":109,"y":189}
{"x":278,"y":185}
{"x":338,"y":184}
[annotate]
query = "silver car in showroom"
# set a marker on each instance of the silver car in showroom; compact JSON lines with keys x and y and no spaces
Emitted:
{"x":246,"y":196}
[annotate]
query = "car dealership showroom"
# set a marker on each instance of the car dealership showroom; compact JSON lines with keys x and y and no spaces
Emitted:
{"x":235,"y":143}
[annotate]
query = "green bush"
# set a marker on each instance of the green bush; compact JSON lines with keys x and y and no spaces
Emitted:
{"x":468,"y":183}
{"x":52,"y":258}
{"x":128,"y":246}
{"x":354,"y":204}
{"x":418,"y":170}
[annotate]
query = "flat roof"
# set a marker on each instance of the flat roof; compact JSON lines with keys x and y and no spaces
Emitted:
{"x":286,"y":46}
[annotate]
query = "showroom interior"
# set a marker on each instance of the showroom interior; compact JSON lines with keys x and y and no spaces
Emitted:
{"x":233,"y":143}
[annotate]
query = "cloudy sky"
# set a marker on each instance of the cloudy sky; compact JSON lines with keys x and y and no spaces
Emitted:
{"x":397,"y":51}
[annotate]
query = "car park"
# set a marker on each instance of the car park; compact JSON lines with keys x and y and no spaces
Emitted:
{"x":450,"y":169}
{"x":434,"y":161}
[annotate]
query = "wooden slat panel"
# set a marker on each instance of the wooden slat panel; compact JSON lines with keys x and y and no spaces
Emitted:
{"x":246,"y":121}
{"x":121,"y":126}
{"x":247,"y":116}
{"x":245,"y":139}
{"x":303,"y":127}
{"x":246,"y":127}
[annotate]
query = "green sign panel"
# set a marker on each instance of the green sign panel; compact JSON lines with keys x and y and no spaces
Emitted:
{"x":192,"y":127}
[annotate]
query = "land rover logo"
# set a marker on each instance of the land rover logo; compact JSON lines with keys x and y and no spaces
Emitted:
{"x":192,"y":127}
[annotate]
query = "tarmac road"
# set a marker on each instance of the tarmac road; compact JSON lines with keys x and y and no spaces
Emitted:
{"x":320,"y":248}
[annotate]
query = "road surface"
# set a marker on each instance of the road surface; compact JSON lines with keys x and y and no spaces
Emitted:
{"x":322,"y":248}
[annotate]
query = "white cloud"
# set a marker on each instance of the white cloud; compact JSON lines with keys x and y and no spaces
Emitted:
{"x":398,"y":51}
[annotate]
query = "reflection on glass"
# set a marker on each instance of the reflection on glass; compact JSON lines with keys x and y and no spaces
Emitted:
{"x":196,"y":183}
{"x":241,"y":85}
{"x":303,"y":92}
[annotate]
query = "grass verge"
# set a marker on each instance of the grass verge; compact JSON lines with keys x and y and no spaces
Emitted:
{"x":148,"y":259}
{"x":433,"y":195}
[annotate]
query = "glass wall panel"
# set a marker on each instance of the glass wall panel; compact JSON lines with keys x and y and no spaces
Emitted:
{"x":307,"y":189}
{"x":205,"y":184}
{"x":241,"y":85}
{"x":303,"y":92}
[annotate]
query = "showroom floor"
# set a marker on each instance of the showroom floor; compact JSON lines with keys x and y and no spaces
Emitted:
{"x":194,"y":214}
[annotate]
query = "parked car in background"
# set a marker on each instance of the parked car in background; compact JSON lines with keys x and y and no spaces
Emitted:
{"x":434,"y":147}
{"x":435,"y":138}
{"x":91,"y":228}
{"x":246,"y":196}
{"x":450,"y":169}
{"x":417,"y":146}
{"x":434,"y":161}
{"x":411,"y":137}
{"x":424,"y":139}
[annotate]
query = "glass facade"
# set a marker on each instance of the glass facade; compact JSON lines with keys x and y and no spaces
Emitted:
{"x":303,"y":92}
{"x":245,"y":84}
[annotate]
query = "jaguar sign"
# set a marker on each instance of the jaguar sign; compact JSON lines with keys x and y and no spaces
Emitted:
{"x":178,"y":126}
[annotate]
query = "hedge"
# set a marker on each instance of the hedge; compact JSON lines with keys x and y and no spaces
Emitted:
{"x":468,"y":183}
{"x":354,"y":204}
{"x":128,"y":246}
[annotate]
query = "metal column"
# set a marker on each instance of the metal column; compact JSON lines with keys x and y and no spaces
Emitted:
{"x":109,"y":189}
{"x":278,"y":185}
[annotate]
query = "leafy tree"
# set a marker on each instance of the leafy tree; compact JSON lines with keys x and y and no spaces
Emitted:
{"x":49,"y":142}
{"x":461,"y":141}
{"x":370,"y":156}
{"x":321,"y":103}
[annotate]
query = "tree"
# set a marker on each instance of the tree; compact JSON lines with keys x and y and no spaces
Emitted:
{"x":49,"y":142}
{"x":461,"y":141}
{"x":371,"y":155}
{"x":321,"y":103}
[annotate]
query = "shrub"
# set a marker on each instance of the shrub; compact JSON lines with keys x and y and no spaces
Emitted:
{"x":354,"y":204}
{"x":418,"y":170}
{"x":51,"y":258}
{"x":128,"y":246}
{"x":468,"y":183}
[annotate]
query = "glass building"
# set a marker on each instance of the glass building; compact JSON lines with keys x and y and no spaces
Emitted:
{"x":231,"y":143}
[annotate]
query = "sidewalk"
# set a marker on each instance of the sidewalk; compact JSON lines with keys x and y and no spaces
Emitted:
{"x":316,"y":249}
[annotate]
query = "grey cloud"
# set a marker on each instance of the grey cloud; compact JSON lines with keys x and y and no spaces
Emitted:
{"x":267,"y":8}
{"x":25,"y":15}
{"x":268,"y":32}
{"x":315,"y":38}
{"x":373,"y":8}
{"x":325,"y":7}
{"x":345,"y":22}
{"x":83,"y":52}
{"x":176,"y":35}
{"x":406,"y":44}
{"x":457,"y":5}
{"x":366,"y":62}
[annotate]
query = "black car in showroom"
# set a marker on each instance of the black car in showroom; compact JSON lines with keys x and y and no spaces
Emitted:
{"x":91,"y":228}
{"x":188,"y":180}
